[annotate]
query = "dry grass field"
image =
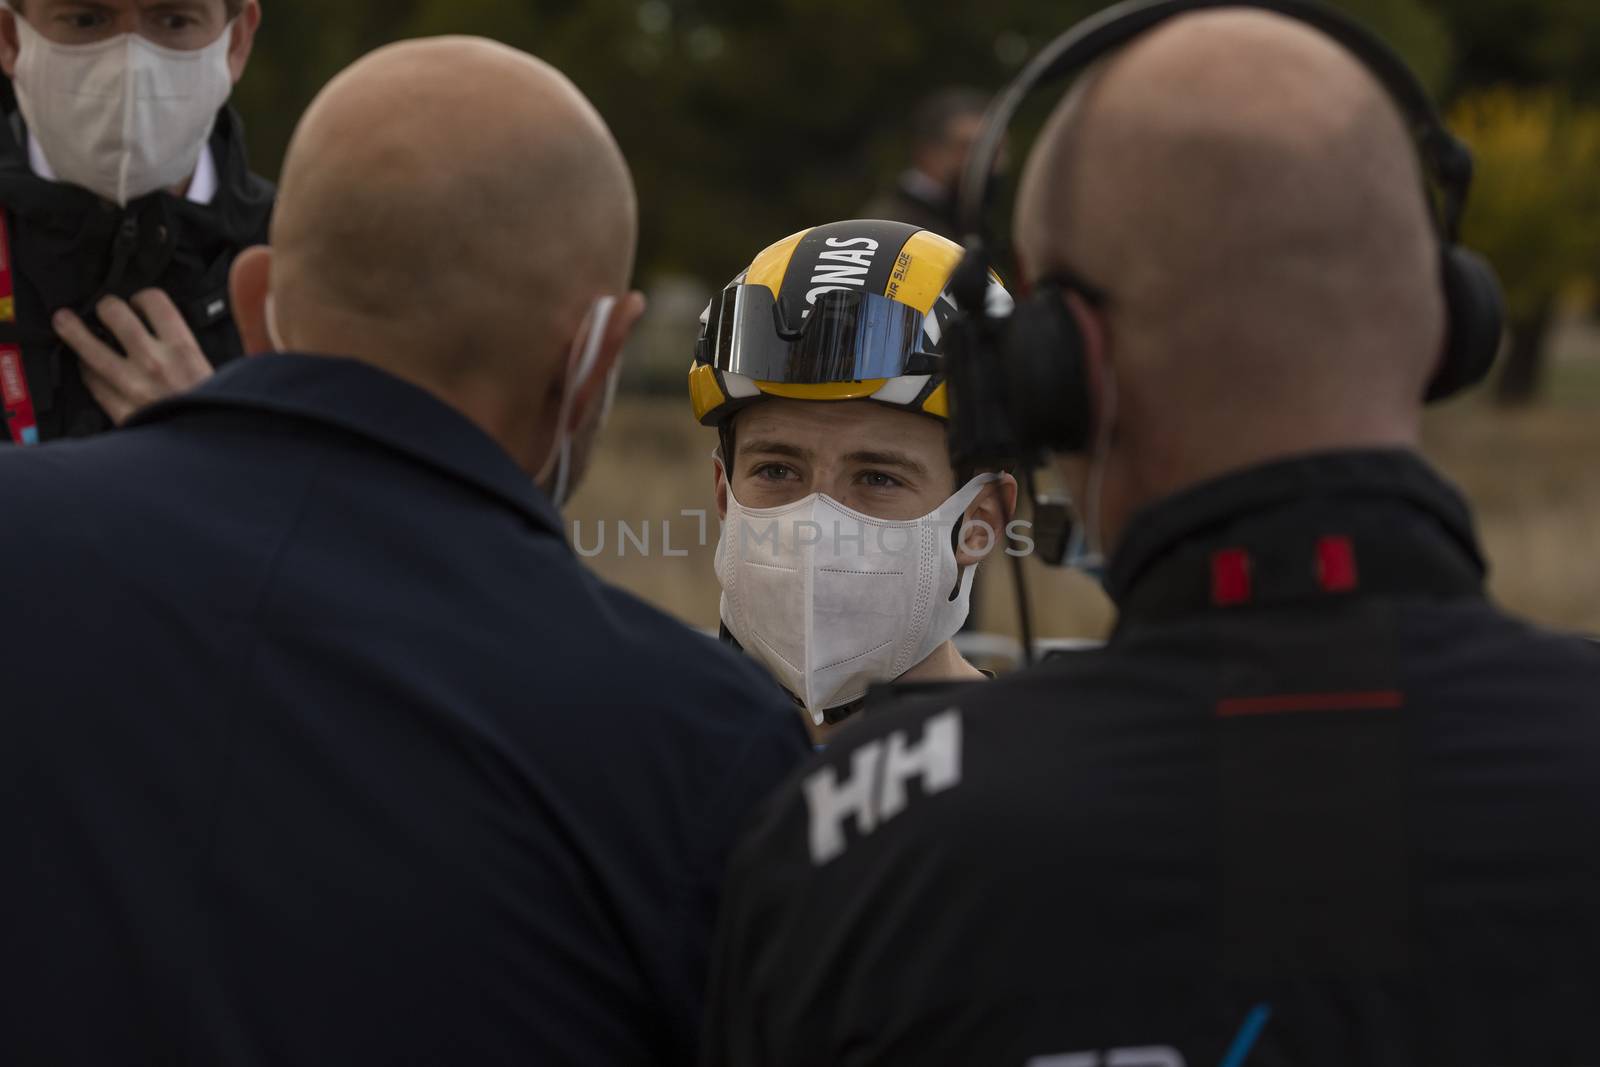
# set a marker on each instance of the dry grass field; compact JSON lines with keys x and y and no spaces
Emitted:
{"x":1533,"y":477}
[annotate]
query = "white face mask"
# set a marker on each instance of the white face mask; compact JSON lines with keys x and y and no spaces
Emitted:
{"x":556,"y":477}
{"x":122,"y":117}
{"x":833,"y":601}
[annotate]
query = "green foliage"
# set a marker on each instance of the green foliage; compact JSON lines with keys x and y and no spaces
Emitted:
{"x":1535,"y":209}
{"x":745,"y":122}
{"x":1527,"y":43}
{"x":1418,"y":33}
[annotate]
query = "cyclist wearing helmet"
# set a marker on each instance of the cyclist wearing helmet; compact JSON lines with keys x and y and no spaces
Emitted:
{"x":849,"y":542}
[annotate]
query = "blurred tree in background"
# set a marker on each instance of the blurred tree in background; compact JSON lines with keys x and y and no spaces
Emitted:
{"x":1535,"y":212}
{"x":744,"y":122}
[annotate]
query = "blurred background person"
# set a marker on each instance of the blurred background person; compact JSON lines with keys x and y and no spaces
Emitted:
{"x":1319,"y":800}
{"x":126,"y":194}
{"x":942,"y":130}
{"x":321,"y":746}
{"x":849,"y":543}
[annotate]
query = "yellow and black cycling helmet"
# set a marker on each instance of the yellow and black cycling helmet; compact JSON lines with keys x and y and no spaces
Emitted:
{"x":846,"y":311}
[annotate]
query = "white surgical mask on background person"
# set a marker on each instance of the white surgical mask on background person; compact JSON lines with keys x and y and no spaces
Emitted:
{"x":556,"y":477}
{"x":834,"y":601}
{"x":122,"y":117}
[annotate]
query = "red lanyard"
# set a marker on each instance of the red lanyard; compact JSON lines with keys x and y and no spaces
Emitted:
{"x":19,"y":414}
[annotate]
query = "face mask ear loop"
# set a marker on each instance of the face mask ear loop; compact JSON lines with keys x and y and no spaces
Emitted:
{"x":274,"y":335}
{"x":958,"y":533}
{"x":1019,"y":579}
{"x":603,"y":309}
{"x":735,"y":509}
{"x":1097,"y":471}
{"x":732,"y":526}
{"x":580,"y":366}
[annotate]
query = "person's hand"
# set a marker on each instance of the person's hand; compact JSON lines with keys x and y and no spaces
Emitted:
{"x":157,"y":365}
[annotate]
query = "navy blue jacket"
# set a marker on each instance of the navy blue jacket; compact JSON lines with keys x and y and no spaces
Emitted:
{"x":319,"y":746}
{"x":1318,"y":802}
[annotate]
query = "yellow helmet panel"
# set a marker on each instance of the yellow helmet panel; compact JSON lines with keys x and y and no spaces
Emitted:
{"x":772,"y":264}
{"x":924,"y":265}
{"x":822,"y":390}
{"x":705,"y":392}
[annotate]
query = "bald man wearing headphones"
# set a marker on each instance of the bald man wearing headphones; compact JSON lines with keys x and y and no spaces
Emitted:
{"x":1318,"y":801}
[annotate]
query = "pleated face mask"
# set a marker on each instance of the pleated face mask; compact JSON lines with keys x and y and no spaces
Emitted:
{"x":834,"y":601}
{"x":122,"y":117}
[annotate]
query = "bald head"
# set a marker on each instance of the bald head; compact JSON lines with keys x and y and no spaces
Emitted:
{"x":1248,"y":195}
{"x":450,"y":208}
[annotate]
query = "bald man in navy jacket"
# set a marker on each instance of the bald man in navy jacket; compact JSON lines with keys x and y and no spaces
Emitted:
{"x":319,"y":745}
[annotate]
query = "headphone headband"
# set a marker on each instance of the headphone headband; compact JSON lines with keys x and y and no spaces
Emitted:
{"x":1445,"y":160}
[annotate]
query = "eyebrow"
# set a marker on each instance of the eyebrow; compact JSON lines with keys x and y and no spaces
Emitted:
{"x":170,"y":7}
{"x":889,"y":459}
{"x":776,"y":448}
{"x":898,"y":460}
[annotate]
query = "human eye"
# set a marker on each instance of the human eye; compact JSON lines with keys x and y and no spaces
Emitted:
{"x":179,"y":27}
{"x":775,"y":472}
{"x":880,"y":480}
{"x":82,"y":22}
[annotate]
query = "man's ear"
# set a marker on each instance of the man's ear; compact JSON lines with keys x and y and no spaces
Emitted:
{"x":244,"y":38}
{"x":624,"y":318}
{"x":249,"y":282}
{"x":983,"y":527}
{"x":10,"y":42}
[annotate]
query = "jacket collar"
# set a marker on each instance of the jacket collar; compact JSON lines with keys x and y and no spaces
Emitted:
{"x":361,"y":399}
{"x":243,"y":205}
{"x":1272,"y":531}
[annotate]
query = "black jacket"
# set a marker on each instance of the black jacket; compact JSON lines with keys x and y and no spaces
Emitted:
{"x":1318,"y":802}
{"x":69,"y":248}
{"x":318,"y":745}
{"x":908,"y":202}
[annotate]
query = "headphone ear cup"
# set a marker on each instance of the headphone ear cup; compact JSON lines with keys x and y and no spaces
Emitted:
{"x":1476,"y":317}
{"x":1048,"y":394}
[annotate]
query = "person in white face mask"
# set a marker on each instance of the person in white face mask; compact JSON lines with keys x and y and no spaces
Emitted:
{"x":126,"y":196}
{"x":849,"y":543}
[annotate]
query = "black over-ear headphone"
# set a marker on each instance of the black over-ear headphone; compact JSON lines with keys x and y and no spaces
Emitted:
{"x":1019,"y":388}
